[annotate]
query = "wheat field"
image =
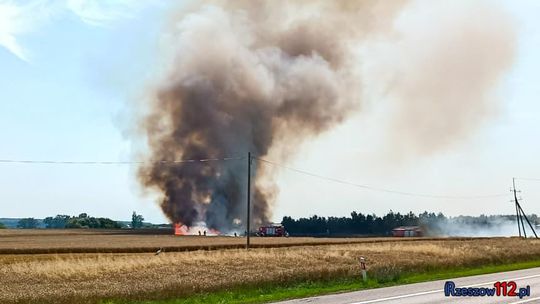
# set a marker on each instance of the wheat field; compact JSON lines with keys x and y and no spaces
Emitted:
{"x":87,"y":278}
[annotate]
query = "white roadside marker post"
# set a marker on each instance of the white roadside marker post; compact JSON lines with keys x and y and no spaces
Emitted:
{"x":363,"y":268}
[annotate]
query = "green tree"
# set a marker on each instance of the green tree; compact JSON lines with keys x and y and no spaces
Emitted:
{"x":86,"y":221}
{"x":27,"y":223}
{"x":136,"y":220}
{"x":57,"y":222}
{"x":107,"y":223}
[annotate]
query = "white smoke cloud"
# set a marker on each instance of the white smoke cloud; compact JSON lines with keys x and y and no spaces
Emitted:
{"x":440,"y":73}
{"x":495,"y":227}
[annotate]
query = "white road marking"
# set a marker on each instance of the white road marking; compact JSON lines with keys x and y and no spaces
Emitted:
{"x":399,"y":297}
{"x":441,"y":290}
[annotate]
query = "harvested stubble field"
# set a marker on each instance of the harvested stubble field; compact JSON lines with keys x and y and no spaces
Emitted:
{"x":41,"y":241}
{"x":87,"y":278}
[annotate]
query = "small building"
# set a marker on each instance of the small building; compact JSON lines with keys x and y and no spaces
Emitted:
{"x":407,"y":231}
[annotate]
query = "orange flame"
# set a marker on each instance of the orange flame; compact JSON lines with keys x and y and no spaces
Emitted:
{"x":181,"y":229}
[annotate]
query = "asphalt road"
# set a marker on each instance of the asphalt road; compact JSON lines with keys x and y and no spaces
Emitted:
{"x":433,"y":292}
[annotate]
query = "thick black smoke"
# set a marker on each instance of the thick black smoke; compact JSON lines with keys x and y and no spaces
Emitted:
{"x":255,"y":76}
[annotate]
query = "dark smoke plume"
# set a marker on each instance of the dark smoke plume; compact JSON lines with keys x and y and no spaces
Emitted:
{"x":242,"y":76}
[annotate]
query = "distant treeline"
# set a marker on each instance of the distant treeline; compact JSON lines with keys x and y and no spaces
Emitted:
{"x":83,"y":220}
{"x":60,"y":222}
{"x":371,"y":224}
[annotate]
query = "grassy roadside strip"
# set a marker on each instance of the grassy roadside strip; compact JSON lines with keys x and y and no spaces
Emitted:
{"x":272,"y":293}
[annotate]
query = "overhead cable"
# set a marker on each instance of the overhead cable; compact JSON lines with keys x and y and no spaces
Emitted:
{"x":340,"y":181}
{"x":55,"y":162}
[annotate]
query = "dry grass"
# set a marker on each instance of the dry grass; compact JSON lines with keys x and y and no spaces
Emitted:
{"x":80,"y":278}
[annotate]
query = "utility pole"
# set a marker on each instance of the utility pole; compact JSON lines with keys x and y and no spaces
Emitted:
{"x":521,"y":214}
{"x":519,"y":220}
{"x":248,"y":220}
{"x":517,"y":217}
{"x":527,"y":219}
{"x":522,"y":225}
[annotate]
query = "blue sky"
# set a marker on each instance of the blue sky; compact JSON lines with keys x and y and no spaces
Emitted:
{"x":65,"y":100}
{"x":71,"y":71}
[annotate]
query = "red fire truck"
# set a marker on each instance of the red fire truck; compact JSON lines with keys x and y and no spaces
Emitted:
{"x":272,"y":231}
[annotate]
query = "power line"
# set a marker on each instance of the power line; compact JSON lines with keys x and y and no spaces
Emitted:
{"x":203,"y":160}
{"x":165,"y":162}
{"x":381,"y":189}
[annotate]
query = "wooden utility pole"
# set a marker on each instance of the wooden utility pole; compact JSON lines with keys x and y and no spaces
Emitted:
{"x":517,"y":217}
{"x":248,"y":217}
{"x":527,"y":219}
{"x":521,"y":214}
{"x":518,"y":214}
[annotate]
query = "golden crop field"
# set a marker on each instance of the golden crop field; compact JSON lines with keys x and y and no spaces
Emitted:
{"x":88,"y":277}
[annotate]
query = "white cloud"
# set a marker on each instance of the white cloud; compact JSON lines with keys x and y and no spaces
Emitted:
{"x":99,"y":13}
{"x":22,"y":17}
{"x":8,"y":41}
{"x":13,"y":21}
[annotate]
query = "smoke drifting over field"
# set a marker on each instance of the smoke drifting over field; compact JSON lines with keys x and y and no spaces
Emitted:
{"x":443,"y":69}
{"x":263,"y":76}
{"x":468,"y":226}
